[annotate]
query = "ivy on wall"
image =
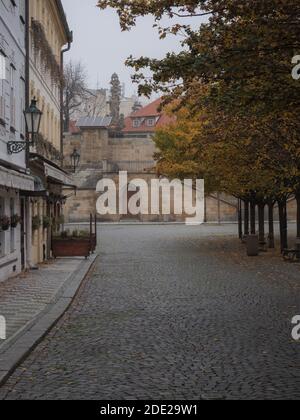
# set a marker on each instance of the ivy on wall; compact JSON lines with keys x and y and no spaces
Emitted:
{"x":41,"y":46}
{"x":46,"y":149}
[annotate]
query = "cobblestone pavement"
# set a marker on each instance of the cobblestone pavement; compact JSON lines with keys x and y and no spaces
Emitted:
{"x":24,"y":297}
{"x":171,"y":313}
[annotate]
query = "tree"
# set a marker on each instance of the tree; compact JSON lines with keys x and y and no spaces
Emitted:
{"x":74,"y":89}
{"x":182,"y":148}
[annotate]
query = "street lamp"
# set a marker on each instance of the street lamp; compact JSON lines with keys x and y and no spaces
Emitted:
{"x":75,"y":159}
{"x":33,"y":118}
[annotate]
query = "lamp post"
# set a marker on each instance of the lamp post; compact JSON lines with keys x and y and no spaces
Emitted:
{"x":33,"y":118}
{"x":75,"y":159}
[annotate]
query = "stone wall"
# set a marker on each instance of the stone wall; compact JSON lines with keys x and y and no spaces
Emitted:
{"x":104,"y":156}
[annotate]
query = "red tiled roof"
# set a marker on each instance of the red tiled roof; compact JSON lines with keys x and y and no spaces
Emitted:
{"x":148,"y":111}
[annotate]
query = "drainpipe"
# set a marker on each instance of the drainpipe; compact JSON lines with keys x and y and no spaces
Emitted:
{"x":27,"y":210}
{"x":27,"y":72}
{"x":62,"y":98}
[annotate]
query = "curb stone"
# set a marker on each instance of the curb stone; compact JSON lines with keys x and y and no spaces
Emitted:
{"x":16,"y":349}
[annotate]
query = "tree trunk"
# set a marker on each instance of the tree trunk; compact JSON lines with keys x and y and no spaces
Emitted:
{"x":261,"y":220}
{"x":283,"y":224}
{"x":240,"y":216}
{"x":298,"y":214}
{"x":252,"y":217}
{"x":66,"y":122}
{"x":271,"y":238}
{"x":298,"y":223}
{"x":246,"y":218}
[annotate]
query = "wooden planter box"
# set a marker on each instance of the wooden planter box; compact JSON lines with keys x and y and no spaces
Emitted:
{"x":71,"y":247}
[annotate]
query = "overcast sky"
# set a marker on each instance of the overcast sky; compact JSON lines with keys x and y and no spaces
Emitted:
{"x":103,"y":48}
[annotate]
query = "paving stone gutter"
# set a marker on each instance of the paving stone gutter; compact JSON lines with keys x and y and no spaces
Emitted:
{"x":16,"y":348}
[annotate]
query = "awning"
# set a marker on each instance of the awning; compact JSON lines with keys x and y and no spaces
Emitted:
{"x":58,"y":175}
{"x":39,"y":189}
{"x":16,"y":180}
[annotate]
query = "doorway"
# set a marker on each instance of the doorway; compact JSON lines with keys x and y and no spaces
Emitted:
{"x":23,"y":233}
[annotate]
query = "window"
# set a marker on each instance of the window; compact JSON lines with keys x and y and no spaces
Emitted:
{"x":12,"y":97}
{"x":2,"y":87}
{"x":22,"y":11}
{"x":2,"y":234}
{"x":136,"y":123}
{"x":150,"y":122}
{"x":2,"y":67}
{"x":22,"y":108}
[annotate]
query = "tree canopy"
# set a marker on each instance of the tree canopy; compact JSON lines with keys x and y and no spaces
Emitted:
{"x":237,"y":104}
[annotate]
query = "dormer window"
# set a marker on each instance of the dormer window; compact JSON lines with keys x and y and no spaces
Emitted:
{"x":150,"y":122}
{"x":136,"y":123}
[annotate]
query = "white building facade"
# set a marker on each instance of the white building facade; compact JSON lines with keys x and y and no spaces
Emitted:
{"x":15,"y":183}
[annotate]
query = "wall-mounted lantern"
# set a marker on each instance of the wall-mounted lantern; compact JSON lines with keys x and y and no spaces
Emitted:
{"x":33,"y":118}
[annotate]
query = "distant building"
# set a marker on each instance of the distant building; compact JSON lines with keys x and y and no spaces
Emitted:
{"x":128,"y":103}
{"x":97,"y":104}
{"x":146,"y":120}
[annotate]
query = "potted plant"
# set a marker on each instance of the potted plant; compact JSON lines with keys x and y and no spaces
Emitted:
{"x":36,"y":223}
{"x":47,"y":222}
{"x":4,"y":223}
{"x":15,"y":220}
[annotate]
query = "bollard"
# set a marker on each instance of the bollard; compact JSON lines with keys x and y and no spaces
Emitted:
{"x":298,"y":248}
{"x":252,"y":243}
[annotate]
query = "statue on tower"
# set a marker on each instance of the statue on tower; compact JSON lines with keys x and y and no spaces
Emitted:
{"x":115,"y":100}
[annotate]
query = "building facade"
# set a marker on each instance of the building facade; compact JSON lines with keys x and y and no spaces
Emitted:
{"x":15,"y":182}
{"x":49,"y":35}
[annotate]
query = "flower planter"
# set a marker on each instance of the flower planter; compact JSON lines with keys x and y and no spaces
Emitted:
{"x":47,"y":222}
{"x":36,"y":223}
{"x":15,"y":221}
{"x":71,"y":247}
{"x":4,"y":223}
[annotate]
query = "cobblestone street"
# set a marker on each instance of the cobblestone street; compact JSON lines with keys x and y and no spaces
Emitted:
{"x":172,"y":312}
